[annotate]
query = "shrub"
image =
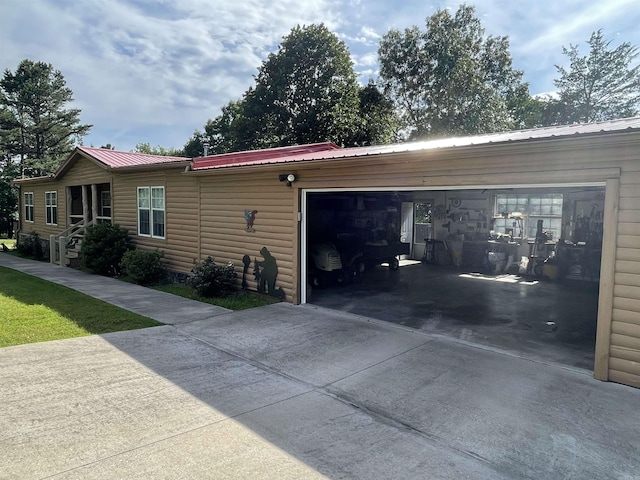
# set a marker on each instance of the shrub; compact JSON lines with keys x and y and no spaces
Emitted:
{"x":30,"y":246}
{"x":103,"y":247}
{"x":143,"y":266}
{"x":211,"y":280}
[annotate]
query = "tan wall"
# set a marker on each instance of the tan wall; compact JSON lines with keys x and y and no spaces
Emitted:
{"x":180,"y":244}
{"x":82,"y":172}
{"x":624,"y":360}
{"x":224,"y":235}
{"x":39,"y":224}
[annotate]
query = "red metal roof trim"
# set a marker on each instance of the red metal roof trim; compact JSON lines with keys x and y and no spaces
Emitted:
{"x":270,"y":155}
{"x":116,"y":159}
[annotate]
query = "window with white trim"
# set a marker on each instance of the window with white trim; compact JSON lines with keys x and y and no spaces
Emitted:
{"x":518,"y":214}
{"x":28,"y":207}
{"x":51,"y":208}
{"x":105,"y":203}
{"x":151,"y":212}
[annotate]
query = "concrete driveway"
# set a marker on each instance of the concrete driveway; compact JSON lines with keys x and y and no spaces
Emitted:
{"x":290,"y":391}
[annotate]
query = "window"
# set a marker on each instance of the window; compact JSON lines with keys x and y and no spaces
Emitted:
{"x":51,"y":207}
{"x":422,"y":221}
{"x":105,"y":203}
{"x":546,"y":207}
{"x":151,"y":212}
{"x":28,"y":207}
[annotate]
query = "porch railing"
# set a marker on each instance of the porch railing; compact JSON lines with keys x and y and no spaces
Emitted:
{"x":58,"y":243}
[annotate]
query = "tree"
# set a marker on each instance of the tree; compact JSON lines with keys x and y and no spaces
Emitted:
{"x":601,"y":85}
{"x":449,"y":79}
{"x":222,"y":133}
{"x":377,"y":122}
{"x":306,"y":92}
{"x":145,"y":147}
{"x":34,"y":100}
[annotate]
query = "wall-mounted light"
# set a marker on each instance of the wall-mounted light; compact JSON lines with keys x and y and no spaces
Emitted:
{"x":289,"y":178}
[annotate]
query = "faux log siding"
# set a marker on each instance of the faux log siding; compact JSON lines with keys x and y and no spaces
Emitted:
{"x":180,"y":244}
{"x":39,"y":225}
{"x":85,"y":172}
{"x":624,"y":352}
{"x":223,"y":200}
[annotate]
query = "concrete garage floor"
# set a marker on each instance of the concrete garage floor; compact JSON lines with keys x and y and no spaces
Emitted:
{"x":508,"y":312}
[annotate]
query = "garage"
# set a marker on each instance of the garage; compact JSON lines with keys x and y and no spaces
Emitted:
{"x":513,"y":268}
{"x":525,"y":241}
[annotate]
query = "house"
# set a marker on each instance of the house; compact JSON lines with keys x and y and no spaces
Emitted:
{"x":570,"y":191}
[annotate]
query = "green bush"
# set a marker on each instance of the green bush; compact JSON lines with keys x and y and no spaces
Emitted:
{"x":143,"y":266}
{"x":103,"y":246}
{"x":211,"y":280}
{"x":30,"y":246}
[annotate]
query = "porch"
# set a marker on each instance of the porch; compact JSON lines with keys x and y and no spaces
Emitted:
{"x":86,"y":205}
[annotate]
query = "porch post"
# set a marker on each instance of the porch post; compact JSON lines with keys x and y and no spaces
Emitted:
{"x":94,"y":202}
{"x":68,"y":203}
{"x":85,"y":205}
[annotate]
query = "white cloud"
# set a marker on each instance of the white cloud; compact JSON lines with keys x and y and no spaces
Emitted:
{"x":155,"y":70}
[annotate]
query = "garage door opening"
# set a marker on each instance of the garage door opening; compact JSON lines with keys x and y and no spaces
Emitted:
{"x":511,"y":268}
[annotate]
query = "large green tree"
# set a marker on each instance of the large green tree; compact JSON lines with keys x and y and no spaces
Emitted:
{"x":602,"y":85}
{"x":35,"y":98}
{"x":306,"y":92}
{"x":37,"y":129}
{"x":449,"y":79}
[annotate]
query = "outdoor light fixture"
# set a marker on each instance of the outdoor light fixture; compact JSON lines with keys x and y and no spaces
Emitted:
{"x":288,"y":178}
{"x":205,"y":145}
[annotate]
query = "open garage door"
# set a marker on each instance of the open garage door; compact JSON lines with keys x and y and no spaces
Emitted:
{"x":510,"y":268}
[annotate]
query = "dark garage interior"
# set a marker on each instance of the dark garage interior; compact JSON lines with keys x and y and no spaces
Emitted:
{"x":515,"y":269}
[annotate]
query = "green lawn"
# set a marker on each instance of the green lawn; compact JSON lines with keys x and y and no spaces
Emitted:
{"x":34,"y":310}
{"x":9,"y":242}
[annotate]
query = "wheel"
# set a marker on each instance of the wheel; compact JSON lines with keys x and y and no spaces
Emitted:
{"x":394,"y":263}
{"x":318,"y":280}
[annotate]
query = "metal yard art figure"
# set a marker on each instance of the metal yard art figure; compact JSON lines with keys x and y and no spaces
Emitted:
{"x":265,"y":272}
{"x":250,"y":217}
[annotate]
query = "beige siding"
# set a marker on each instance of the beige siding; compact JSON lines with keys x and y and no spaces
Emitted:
{"x":180,"y":244}
{"x":39,"y":225}
{"x":85,"y":172}
{"x":223,"y":227}
{"x":624,"y":360}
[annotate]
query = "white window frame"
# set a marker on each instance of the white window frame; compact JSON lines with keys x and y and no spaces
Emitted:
{"x":151,"y":209}
{"x":105,"y":194}
{"x":530,"y":218}
{"x":51,"y":207}
{"x":29,"y":210}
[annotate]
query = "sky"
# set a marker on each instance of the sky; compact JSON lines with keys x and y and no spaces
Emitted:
{"x":154,"y":71}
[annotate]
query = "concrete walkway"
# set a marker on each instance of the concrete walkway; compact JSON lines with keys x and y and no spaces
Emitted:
{"x":290,"y":392}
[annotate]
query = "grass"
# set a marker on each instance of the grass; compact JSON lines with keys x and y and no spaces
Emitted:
{"x":9,"y":242}
{"x":34,"y":310}
{"x":238,"y":301}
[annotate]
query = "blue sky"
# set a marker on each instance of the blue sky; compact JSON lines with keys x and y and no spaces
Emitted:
{"x":155,"y":70}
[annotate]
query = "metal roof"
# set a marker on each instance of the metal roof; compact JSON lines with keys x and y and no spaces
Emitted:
{"x":269,"y":155}
{"x":116,"y":159}
{"x":290,"y":154}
